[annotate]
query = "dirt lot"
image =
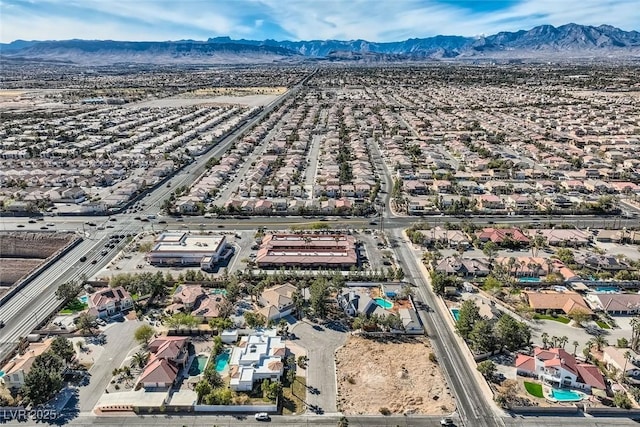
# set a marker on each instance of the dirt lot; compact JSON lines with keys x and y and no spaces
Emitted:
{"x":394,"y":374}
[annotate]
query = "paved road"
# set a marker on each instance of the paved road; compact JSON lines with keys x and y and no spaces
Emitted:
{"x":119,"y":338}
{"x":321,"y":345}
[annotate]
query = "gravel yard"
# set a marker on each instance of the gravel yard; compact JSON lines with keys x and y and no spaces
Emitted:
{"x":392,"y":373}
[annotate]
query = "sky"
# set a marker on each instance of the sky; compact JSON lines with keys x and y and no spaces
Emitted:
{"x":373,"y":20}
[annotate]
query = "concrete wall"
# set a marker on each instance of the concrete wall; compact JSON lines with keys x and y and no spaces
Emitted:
{"x":538,"y":410}
{"x":236,"y":408}
{"x":613,"y":412}
{"x":32,"y":245}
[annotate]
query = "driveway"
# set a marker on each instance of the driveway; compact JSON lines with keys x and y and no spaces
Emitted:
{"x":321,"y":344}
{"x":119,"y":339}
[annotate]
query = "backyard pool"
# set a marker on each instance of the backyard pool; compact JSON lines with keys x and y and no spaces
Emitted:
{"x":198,"y":365}
{"x":384,"y":303}
{"x":217,"y":291}
{"x":529,"y":280}
{"x":566,"y":395}
{"x":608,"y":289}
{"x":1,"y":374}
{"x":222,"y":361}
{"x":84,"y":299}
{"x":455,"y":313}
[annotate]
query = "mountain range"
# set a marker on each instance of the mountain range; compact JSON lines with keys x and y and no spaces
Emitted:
{"x":571,"y":40}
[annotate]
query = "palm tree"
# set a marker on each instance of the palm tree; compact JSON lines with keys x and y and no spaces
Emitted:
{"x":599,"y":341}
{"x":545,"y":340}
{"x":575,"y":346}
{"x":627,"y":357}
{"x":554,"y":340}
{"x":563,"y":340}
{"x":139,"y":359}
{"x":635,"y":332}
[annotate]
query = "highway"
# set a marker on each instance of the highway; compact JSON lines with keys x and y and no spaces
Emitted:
{"x":33,"y":304}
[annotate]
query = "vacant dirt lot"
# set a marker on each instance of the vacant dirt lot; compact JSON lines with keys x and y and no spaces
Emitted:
{"x":390,"y":373}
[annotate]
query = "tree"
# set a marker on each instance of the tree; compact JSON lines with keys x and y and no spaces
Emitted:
{"x":220,"y":323}
{"x":139,"y":359}
{"x":490,"y":250}
{"x":579,"y":315}
{"x":545,"y":340}
{"x":468,"y":315}
{"x":563,"y":340}
{"x":599,"y":341}
{"x":144,"y":334}
{"x":635,"y":332}
{"x":85,"y":322}
{"x":68,"y":291}
{"x":203,"y":388}
{"x":63,"y":348}
{"x":254,"y":320}
{"x":623,"y":342}
{"x":212,"y":376}
{"x":511,"y":333}
{"x":317,"y":298}
{"x":575,"y":345}
{"x":481,"y":337}
{"x":41,"y":384}
{"x":621,"y":400}
{"x":487,"y":368}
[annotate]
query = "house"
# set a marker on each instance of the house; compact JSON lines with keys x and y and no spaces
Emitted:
{"x":256,"y":357}
{"x":615,"y":304}
{"x":451,"y":238}
{"x":558,"y":302}
{"x":195,"y":300}
{"x":564,"y":237}
{"x":615,"y":358}
{"x":109,"y":301}
{"x":168,"y":356}
{"x":355,"y":301}
{"x":277,"y":301}
{"x":463,"y":267}
{"x":557,"y":367}
{"x":410,"y":321}
{"x":501,"y":236}
{"x":17,"y":369}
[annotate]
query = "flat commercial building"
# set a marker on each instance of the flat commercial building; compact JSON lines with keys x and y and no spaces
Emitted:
{"x":188,"y":249}
{"x":307,"y":250}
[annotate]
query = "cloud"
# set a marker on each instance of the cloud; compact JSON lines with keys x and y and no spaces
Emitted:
{"x":374,"y":20}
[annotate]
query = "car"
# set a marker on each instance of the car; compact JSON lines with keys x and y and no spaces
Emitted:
{"x":44,"y":227}
{"x":446,"y":421}
{"x":83,"y":259}
{"x":94,"y":261}
{"x":113,"y":219}
{"x":20,"y":225}
{"x":262,"y":416}
{"x":50,"y":224}
{"x":104,"y":252}
{"x":91,"y":224}
{"x":137,"y":218}
{"x":373,"y":223}
{"x":32,"y":221}
{"x":162,"y":221}
{"x":2,"y":326}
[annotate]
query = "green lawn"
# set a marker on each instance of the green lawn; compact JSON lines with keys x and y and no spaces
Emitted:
{"x":73,"y":307}
{"x":534,"y":389}
{"x":293,"y":397}
{"x":561,"y":319}
{"x":602,"y":324}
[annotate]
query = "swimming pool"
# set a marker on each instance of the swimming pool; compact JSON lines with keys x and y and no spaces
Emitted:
{"x":455,"y":313}
{"x":1,"y":374}
{"x":566,"y":395}
{"x":529,"y":280}
{"x":222,"y":361}
{"x":384,"y":303}
{"x":198,"y":365}
{"x":84,"y":299}
{"x":608,"y":289}
{"x":218,"y":291}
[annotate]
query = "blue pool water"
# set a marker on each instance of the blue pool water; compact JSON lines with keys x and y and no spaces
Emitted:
{"x":529,"y":280}
{"x":1,"y":374}
{"x":198,"y":365}
{"x":608,"y":289}
{"x":565,"y":395}
{"x":222,"y":361}
{"x":455,"y":313}
{"x":84,"y":299}
{"x":217,"y":291}
{"x":384,"y":303}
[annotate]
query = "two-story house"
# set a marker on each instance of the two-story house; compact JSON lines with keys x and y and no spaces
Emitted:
{"x":110,"y":301}
{"x":277,"y":301}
